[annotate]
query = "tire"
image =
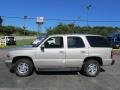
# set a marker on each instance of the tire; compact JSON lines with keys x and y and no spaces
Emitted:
{"x":23,"y":67}
{"x":91,"y":68}
{"x":15,"y":43}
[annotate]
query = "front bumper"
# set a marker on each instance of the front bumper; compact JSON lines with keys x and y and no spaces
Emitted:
{"x":9,"y":64}
{"x":11,"y":43}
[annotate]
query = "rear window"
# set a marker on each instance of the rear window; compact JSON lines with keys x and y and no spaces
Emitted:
{"x":11,"y":37}
{"x":97,"y":41}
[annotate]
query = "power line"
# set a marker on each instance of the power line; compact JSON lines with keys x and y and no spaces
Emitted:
{"x":46,"y":19}
{"x":104,"y":20}
{"x":71,"y":20}
{"x":12,"y":17}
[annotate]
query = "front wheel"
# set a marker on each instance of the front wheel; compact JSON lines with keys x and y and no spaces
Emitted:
{"x":23,"y":67}
{"x":91,"y":68}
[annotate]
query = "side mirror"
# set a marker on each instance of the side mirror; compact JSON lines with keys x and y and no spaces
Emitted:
{"x":42,"y":47}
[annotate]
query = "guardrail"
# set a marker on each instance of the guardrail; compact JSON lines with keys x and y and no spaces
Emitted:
{"x":2,"y":43}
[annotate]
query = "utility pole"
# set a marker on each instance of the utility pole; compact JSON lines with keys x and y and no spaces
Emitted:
{"x":88,"y":8}
{"x":25,"y":20}
{"x":1,"y":20}
{"x":78,"y":19}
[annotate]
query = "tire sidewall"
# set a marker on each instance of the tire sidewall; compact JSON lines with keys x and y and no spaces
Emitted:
{"x":87,"y":63}
{"x":30,"y":67}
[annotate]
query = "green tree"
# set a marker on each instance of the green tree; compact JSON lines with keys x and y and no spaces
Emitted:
{"x":72,"y":28}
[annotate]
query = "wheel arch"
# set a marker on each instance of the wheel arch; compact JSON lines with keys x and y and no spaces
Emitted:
{"x":15,"y":59}
{"x":99,"y":59}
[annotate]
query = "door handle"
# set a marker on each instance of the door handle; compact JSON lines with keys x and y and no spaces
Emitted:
{"x":61,"y":51}
{"x":83,"y":51}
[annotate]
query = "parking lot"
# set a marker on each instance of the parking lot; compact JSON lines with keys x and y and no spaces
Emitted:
{"x":109,"y":79}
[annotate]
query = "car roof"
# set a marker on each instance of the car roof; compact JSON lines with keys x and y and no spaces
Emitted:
{"x":9,"y":36}
{"x":74,"y":35}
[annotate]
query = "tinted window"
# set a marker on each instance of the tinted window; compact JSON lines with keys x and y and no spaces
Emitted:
{"x":97,"y":41}
{"x":75,"y":42}
{"x":54,"y":42}
{"x":10,"y":37}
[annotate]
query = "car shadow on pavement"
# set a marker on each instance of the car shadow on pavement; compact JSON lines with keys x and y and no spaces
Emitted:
{"x":63,"y":72}
{"x":56,"y":72}
{"x":102,"y":70}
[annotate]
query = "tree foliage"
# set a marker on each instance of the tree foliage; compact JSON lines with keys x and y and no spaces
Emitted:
{"x":9,"y":30}
{"x":71,"y":28}
{"x":60,"y":29}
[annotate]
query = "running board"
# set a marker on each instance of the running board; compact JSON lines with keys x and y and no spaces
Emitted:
{"x":60,"y":69}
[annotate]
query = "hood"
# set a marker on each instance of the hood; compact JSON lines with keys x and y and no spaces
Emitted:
{"x":22,"y":48}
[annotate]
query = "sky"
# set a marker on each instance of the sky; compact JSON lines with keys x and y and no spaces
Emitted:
{"x":100,"y":10}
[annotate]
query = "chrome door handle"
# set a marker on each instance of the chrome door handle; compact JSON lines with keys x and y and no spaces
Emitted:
{"x":83,"y":51}
{"x":61,"y":51}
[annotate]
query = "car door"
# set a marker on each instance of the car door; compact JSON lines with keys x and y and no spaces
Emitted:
{"x":52,"y":53}
{"x":75,"y":52}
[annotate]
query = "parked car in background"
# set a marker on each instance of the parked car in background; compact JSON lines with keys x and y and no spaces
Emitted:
{"x":114,"y":42}
{"x":114,"y":39}
{"x":10,"y":40}
{"x":115,"y":45}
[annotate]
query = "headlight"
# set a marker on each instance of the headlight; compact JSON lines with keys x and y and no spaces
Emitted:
{"x":8,"y":55}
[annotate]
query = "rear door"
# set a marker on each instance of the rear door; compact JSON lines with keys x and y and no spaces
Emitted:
{"x":75,"y":52}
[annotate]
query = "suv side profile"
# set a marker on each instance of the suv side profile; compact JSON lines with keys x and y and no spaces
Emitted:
{"x":87,"y":53}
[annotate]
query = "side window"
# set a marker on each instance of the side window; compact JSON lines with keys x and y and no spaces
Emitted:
{"x":97,"y":41}
{"x":54,"y":42}
{"x":75,"y":42}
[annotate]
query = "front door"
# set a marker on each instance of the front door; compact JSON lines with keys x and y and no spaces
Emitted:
{"x":53,"y":53}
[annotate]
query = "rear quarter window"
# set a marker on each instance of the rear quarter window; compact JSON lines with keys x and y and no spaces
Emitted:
{"x":98,"y":41}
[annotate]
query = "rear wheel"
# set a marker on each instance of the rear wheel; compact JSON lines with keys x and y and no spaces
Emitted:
{"x":91,"y":68}
{"x":23,"y":67}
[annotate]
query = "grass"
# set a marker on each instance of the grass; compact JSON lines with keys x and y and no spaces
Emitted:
{"x":21,"y":43}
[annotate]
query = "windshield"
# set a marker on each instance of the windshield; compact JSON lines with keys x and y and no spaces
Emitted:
{"x":40,"y":41}
{"x":42,"y":36}
{"x":10,"y":37}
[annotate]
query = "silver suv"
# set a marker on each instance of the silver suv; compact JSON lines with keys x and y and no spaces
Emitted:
{"x":62,"y":53}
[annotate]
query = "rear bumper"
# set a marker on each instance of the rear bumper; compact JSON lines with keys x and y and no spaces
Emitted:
{"x":113,"y":62}
{"x":107,"y":62}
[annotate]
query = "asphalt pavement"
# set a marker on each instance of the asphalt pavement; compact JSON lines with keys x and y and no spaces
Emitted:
{"x":109,"y":79}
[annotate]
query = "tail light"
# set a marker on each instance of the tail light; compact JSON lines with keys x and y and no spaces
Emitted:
{"x":111,"y":53}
